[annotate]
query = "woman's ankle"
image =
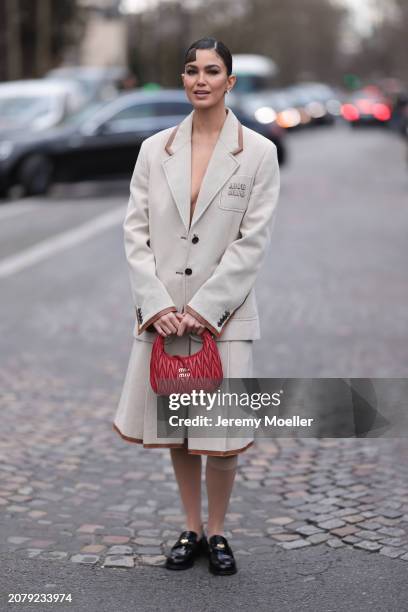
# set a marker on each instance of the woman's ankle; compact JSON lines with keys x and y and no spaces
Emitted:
{"x":215,"y":531}
{"x":199,"y":530}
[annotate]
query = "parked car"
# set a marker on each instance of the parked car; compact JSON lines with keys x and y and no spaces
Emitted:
{"x":367,"y":106}
{"x":100,"y":142}
{"x":36,"y":105}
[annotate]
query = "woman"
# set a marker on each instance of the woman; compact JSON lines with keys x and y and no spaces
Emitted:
{"x":202,"y":197}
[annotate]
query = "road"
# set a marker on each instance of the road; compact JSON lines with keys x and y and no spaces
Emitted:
{"x":332,"y":296}
{"x":332,"y":293}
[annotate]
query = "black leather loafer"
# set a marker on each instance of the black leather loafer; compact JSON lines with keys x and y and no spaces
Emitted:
{"x":221,"y":559}
{"x":184,"y":552}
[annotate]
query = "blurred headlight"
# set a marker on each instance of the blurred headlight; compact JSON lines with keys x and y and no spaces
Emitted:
{"x":316,"y":110}
{"x":289,"y":118}
{"x":334,"y":107}
{"x":6,"y":149}
{"x":265,"y":114}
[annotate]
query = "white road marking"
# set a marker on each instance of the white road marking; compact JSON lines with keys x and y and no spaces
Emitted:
{"x":44,"y":249}
{"x":11,"y":210}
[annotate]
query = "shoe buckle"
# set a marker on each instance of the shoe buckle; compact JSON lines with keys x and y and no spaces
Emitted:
{"x":220,"y":545}
{"x":184,"y":541}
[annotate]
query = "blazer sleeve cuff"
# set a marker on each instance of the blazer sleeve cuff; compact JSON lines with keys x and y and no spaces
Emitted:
{"x":149,"y":322}
{"x":203,"y":321}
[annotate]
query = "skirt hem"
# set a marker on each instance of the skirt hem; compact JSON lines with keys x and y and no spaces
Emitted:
{"x":182,"y":445}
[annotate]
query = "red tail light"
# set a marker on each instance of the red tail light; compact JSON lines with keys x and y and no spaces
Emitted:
{"x":381,"y":112}
{"x":350,"y":112}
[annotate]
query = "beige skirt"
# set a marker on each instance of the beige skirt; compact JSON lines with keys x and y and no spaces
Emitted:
{"x":136,"y":416}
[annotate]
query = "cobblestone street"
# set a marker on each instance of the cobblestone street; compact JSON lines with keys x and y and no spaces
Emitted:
{"x":73,"y":492}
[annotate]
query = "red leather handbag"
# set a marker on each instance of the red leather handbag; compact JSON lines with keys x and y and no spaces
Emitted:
{"x":184,"y":374}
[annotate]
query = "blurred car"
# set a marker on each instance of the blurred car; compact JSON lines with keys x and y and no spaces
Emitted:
{"x":400,"y":113}
{"x":310,"y":100}
{"x":294,"y":106}
{"x":403,"y":121}
{"x":367,"y":106}
{"x":272,"y":106}
{"x":396,"y":91}
{"x":98,"y":83}
{"x":98,"y":143}
{"x":36,"y":105}
{"x":328,"y":96}
{"x":252,"y":113}
{"x":254,"y":72}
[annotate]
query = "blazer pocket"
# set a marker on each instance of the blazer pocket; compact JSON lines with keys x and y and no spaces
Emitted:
{"x":235,"y":195}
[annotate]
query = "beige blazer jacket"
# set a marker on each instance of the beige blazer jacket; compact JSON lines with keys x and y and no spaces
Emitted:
{"x":209,"y":268}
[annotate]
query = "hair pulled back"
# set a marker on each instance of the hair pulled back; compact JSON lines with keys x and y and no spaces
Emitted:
{"x":210,"y":43}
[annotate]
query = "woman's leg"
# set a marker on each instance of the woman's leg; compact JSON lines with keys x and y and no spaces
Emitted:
{"x":219,"y":474}
{"x":187,"y":469}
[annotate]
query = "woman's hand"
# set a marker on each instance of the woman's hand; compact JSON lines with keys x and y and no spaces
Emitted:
{"x":167,"y":324}
{"x":188,"y":323}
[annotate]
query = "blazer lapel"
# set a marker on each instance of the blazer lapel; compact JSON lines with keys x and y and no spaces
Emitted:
{"x":222,"y":164}
{"x":177,"y":167}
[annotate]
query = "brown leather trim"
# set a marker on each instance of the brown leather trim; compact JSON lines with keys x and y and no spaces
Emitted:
{"x":221,"y":453}
{"x":155,"y":317}
{"x":240,"y":140}
{"x":140,"y":441}
{"x":202,"y":320}
{"x":167,"y":147}
{"x":176,"y":445}
{"x":240,"y":147}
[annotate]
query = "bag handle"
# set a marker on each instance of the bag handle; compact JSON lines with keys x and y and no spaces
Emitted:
{"x":206,"y":336}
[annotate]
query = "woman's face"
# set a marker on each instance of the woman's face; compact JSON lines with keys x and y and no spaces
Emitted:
{"x":208,"y":74}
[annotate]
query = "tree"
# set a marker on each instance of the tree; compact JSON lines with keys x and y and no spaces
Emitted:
{"x":37,"y":33}
{"x":302,"y":37}
{"x":384,"y":51}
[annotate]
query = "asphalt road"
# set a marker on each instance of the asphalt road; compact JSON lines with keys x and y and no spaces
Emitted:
{"x":332,"y":293}
{"x":316,"y":580}
{"x":334,"y":290}
{"x":332,"y":297}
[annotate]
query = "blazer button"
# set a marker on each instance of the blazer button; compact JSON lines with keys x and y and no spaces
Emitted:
{"x":188,"y":271}
{"x":195,"y":239}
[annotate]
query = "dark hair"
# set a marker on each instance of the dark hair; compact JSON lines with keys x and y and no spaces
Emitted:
{"x":210,"y":43}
